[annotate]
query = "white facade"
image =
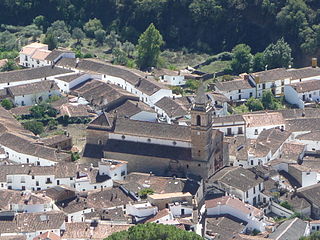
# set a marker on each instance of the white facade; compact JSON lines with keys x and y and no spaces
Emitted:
{"x":253,"y":222}
{"x":177,"y":80}
{"x":253,"y":132}
{"x":298,"y":99}
{"x":179,"y":209}
{"x":115,"y":169}
{"x":141,"y":209}
{"x":66,"y":86}
{"x":32,"y":99}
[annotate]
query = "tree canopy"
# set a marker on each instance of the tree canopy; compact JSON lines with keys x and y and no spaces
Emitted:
{"x":153,"y":231}
{"x":149,"y":45}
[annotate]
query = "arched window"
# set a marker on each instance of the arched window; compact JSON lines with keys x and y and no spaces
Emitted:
{"x":198,"y":120}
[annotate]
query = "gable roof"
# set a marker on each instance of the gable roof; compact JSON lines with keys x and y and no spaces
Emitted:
{"x":31,"y":73}
{"x":233,"y":85}
{"x":307,"y":86}
{"x":172,"y":107}
{"x":263,"y":119}
{"x":236,"y":177}
{"x":292,"y":229}
{"x":33,"y":88}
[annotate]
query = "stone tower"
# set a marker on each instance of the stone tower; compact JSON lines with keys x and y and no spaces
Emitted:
{"x":201,"y":126}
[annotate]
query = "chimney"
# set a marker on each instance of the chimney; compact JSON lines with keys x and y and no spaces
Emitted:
{"x":314,"y":62}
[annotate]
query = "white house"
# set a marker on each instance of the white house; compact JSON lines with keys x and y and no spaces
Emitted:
{"x":148,"y":90}
{"x":239,"y":182}
{"x":299,"y":93}
{"x":37,"y":55}
{"x":273,"y":80}
{"x":141,"y":210}
{"x":257,"y":122}
{"x":77,"y":176}
{"x":25,"y":202}
{"x":170,"y":77}
{"x":231,"y":125}
{"x":115,"y":169}
{"x":31,"y":75}
{"x":33,"y":93}
{"x":227,"y":205}
{"x":236,"y":90}
{"x":65,"y":83}
{"x":31,"y":225}
{"x":26,"y":54}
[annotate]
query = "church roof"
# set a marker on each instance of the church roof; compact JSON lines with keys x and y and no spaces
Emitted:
{"x":154,"y":130}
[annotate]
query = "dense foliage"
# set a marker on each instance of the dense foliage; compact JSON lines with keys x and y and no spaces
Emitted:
{"x":194,"y":24}
{"x":152,"y":231}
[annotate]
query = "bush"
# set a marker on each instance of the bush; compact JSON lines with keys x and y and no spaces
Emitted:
{"x":75,"y":156}
{"x":7,"y":104}
{"x":143,"y":193}
{"x":254,"y":104}
{"x":34,"y":126}
{"x":52,"y":124}
{"x":286,"y":205}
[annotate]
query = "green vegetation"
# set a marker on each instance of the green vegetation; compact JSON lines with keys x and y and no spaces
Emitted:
{"x":9,"y":66}
{"x":254,"y":104}
{"x":286,"y":205}
{"x":34,"y":126}
{"x":143,"y":193}
{"x":75,"y":156}
{"x":149,"y":48}
{"x":313,"y":236}
{"x":152,"y":231}
{"x":7,"y":104}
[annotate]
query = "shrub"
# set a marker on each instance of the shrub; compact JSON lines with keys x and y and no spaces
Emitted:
{"x":34,"y":126}
{"x":7,"y":104}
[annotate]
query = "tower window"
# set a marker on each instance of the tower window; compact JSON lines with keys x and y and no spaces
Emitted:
{"x":199,"y":153}
{"x":198,"y":120}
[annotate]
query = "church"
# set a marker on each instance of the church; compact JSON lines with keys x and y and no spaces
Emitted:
{"x":163,"y":149}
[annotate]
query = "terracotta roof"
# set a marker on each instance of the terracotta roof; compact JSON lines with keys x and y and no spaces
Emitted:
{"x":307,"y":86}
{"x":271,"y":75}
{"x":162,"y":213}
{"x":303,"y":72}
{"x":47,"y":236}
{"x":31,"y":222}
{"x":153,"y":130}
{"x":31,"y":73}
{"x":76,"y":110}
{"x":71,"y":77}
{"x":130,"y":108}
{"x":33,"y":88}
{"x":236,"y":177}
{"x":263,"y":119}
{"x":84,"y":231}
{"x":40,"y":54}
{"x":171,"y":107}
{"x":233,"y":85}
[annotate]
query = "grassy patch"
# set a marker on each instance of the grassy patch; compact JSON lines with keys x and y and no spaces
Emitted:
{"x":216,"y":66}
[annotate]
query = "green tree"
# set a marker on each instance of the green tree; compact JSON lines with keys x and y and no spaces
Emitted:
{"x":153,"y":231}
{"x":119,"y":57}
{"x":128,"y":48}
{"x":258,"y":62}
{"x":268,"y":100}
{"x":7,"y":41}
{"x":254,"y":104}
{"x":75,"y":156}
{"x":92,"y":26}
{"x":149,"y":45}
{"x":60,"y":30}
{"x":193,"y":84}
{"x":9,"y":66}
{"x":41,"y":22}
{"x":7,"y":104}
{"x":51,"y":40}
{"x":38,"y":111}
{"x":100,"y":36}
{"x":278,"y":54}
{"x":241,"y":59}
{"x":78,"y":34}
{"x":112,"y":40}
{"x":313,"y":236}
{"x":34,"y":126}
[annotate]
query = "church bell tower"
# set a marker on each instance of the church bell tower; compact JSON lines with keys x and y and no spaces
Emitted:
{"x":201,"y":126}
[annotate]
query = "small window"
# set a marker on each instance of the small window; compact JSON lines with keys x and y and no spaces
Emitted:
{"x":256,"y":132}
{"x":198,"y":120}
{"x":99,"y":142}
{"x":149,"y":140}
{"x":123,"y":137}
{"x":174,"y":143}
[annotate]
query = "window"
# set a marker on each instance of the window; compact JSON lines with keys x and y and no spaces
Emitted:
{"x":240,"y":131}
{"x":199,"y":165}
{"x":32,"y":177}
{"x":58,"y":182}
{"x":99,"y":142}
{"x":263,"y":86}
{"x":23,"y":188}
{"x":251,"y":162}
{"x":247,"y":194}
{"x":199,"y":153}
{"x":123,"y":137}
{"x":198,"y":120}
{"x":239,"y":91}
{"x":259,"y":186}
{"x":254,"y":190}
{"x":27,"y":160}
{"x":229,"y":131}
{"x":174,"y":143}
{"x":149,"y":140}
{"x":256,"y":132}
{"x":250,"y":94}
